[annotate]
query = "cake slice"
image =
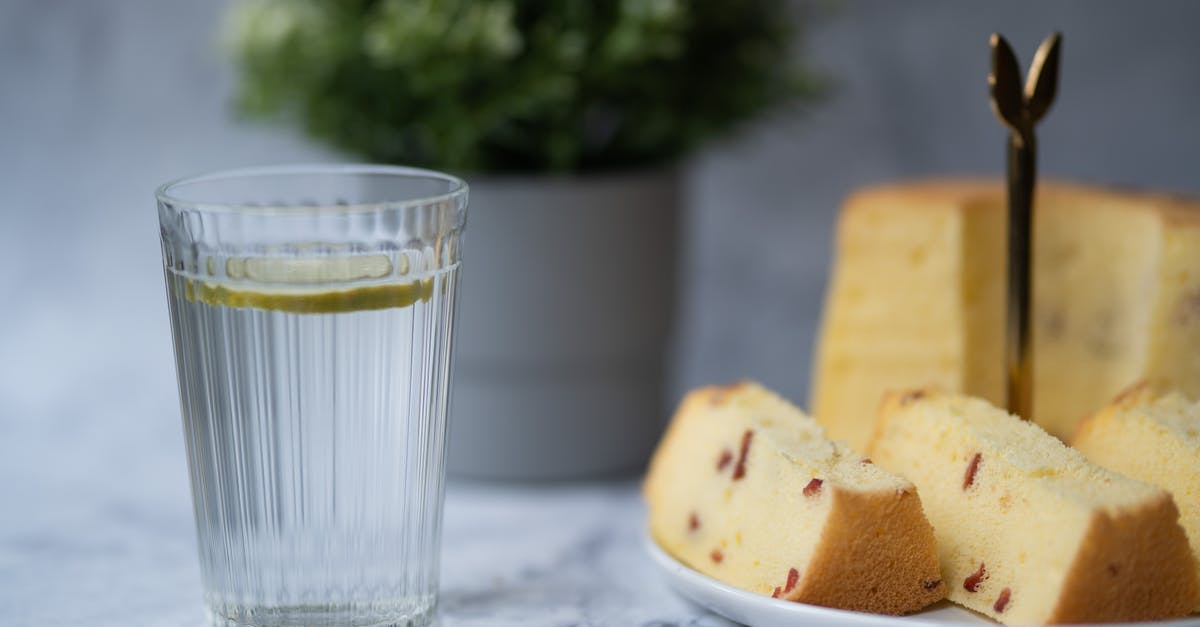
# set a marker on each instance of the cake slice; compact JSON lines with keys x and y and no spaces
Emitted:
{"x":1030,"y":532}
{"x":1154,"y":436}
{"x":1116,"y":298}
{"x":746,"y":489}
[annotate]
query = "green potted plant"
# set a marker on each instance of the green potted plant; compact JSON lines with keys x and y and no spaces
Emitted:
{"x":568,"y":119}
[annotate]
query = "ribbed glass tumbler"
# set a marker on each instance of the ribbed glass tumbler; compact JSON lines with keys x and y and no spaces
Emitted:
{"x":312,"y":310}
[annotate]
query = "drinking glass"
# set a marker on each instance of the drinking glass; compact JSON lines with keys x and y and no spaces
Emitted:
{"x":312,"y":311}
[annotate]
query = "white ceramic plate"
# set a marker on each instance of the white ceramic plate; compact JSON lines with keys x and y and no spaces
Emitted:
{"x":763,"y":611}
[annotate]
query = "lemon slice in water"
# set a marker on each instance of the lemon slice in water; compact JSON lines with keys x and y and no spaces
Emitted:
{"x":304,"y":285}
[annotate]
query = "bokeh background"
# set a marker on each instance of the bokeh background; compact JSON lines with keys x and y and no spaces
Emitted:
{"x":102,"y":101}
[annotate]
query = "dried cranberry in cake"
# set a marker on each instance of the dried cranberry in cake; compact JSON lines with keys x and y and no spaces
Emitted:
{"x":793,"y":577}
{"x":724,"y":459}
{"x":813,"y":488}
{"x":912,"y":395}
{"x":717,"y":555}
{"x":972,"y":468}
{"x":1002,"y":600}
{"x":972,"y":582}
{"x":739,"y":469}
{"x":693,"y":522}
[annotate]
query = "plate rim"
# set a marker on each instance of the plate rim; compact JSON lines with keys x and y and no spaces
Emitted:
{"x":688,"y":582}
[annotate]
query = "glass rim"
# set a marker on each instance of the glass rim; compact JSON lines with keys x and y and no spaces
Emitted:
{"x":164,"y":193}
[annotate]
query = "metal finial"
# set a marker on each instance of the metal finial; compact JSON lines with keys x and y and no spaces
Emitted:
{"x":1020,"y":109}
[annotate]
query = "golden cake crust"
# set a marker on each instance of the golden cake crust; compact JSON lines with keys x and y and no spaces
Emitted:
{"x":1145,"y":541}
{"x":875,"y":551}
{"x":967,"y":191}
{"x":1137,"y":394}
{"x":861,"y":566}
{"x":925,"y":192}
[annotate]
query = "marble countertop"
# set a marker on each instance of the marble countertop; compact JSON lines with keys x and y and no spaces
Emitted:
{"x":87,"y":550}
{"x":566,"y":555}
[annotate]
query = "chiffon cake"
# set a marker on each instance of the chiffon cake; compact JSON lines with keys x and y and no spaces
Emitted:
{"x":746,"y":489}
{"x":916,"y":297}
{"x":1029,"y":532}
{"x":1152,"y":435}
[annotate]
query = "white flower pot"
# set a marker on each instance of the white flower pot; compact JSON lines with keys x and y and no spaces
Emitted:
{"x":567,"y":294}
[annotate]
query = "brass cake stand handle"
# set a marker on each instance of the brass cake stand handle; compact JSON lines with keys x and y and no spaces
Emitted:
{"x":1020,"y":109}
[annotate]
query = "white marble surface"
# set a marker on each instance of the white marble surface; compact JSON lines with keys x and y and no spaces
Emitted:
{"x":105,"y":552}
{"x":101,"y":101}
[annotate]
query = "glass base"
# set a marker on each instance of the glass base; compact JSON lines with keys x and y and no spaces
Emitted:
{"x":414,"y":613}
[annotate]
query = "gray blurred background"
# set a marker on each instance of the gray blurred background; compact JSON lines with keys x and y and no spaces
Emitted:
{"x":101,"y":101}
